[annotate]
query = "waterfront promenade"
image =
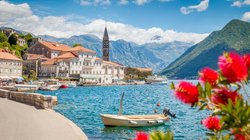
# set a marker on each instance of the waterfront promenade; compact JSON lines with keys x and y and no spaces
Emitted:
{"x":19,"y":121}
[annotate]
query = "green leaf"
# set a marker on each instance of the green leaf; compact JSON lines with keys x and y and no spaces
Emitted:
{"x":172,"y":86}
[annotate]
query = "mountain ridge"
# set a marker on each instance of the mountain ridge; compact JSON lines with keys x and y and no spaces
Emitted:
{"x":234,"y":36}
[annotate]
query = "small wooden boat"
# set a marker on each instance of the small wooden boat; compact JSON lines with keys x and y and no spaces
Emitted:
{"x":133,"y":120}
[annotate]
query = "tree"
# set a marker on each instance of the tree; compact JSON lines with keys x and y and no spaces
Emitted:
{"x":28,"y":37}
{"x":32,"y":75}
{"x":3,"y":37}
{"x":13,"y":39}
{"x":77,"y":45}
{"x":4,"y":45}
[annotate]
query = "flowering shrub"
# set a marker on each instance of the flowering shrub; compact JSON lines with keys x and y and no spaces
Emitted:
{"x":223,"y":93}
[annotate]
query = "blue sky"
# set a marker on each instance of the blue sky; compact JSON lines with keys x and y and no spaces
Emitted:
{"x":144,"y":14}
{"x":166,"y":15}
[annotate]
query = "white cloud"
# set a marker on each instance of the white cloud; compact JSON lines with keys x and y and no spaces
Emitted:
{"x":199,"y":8}
{"x":64,"y":26}
{"x":123,"y":2}
{"x":246,"y":16}
{"x":95,"y":2}
{"x":239,"y":3}
{"x":141,"y":2}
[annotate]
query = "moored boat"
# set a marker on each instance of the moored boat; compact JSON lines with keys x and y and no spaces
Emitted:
{"x":50,"y":87}
{"x":134,"y":120}
{"x":63,"y":86}
{"x":72,"y":85}
{"x":156,"y":80}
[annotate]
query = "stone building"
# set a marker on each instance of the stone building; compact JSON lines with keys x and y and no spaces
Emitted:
{"x":10,"y":66}
{"x":21,"y":41}
{"x":48,"y":49}
{"x":32,"y":62}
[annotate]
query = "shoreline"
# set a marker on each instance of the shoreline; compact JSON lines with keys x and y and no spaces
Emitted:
{"x":21,"y":121}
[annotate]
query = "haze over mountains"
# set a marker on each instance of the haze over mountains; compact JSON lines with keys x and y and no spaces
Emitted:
{"x":152,"y":55}
{"x":235,"y":36}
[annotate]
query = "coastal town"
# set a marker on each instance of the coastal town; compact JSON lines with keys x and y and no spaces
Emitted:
{"x":72,"y":65}
{"x":124,"y":70}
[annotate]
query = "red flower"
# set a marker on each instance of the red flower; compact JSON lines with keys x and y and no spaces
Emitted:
{"x":187,"y":93}
{"x":212,"y":123}
{"x":221,"y":96}
{"x":246,"y":59}
{"x":209,"y":75}
{"x":239,"y":137}
{"x":142,"y":136}
{"x":233,"y":67}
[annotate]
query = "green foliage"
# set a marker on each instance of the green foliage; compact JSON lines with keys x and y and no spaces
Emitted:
{"x":3,"y":37}
{"x":32,"y":75}
{"x":158,"y":135}
{"x":4,"y":45}
{"x":28,"y":37}
{"x":77,"y":45}
{"x":13,"y":39}
{"x":135,"y":74}
{"x":234,"y":36}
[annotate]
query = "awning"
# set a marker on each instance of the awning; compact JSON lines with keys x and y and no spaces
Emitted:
{"x":17,"y":77}
{"x":5,"y":77}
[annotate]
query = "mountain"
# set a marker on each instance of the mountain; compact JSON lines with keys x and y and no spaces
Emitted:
{"x":153,"y":55}
{"x":235,"y":36}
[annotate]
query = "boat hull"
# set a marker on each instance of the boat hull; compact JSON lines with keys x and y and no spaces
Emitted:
{"x":133,"y":120}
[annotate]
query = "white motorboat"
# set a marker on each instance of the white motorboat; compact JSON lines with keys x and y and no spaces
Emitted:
{"x":139,"y":82}
{"x":50,"y":87}
{"x":133,"y":120}
{"x":72,"y":85}
{"x":156,"y":80}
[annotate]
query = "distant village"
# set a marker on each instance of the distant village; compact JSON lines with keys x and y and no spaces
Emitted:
{"x":24,"y":57}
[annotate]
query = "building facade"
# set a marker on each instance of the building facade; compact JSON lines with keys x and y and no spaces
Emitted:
{"x":10,"y":66}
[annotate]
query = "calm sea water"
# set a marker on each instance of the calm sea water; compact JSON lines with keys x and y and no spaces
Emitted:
{"x":83,"y":105}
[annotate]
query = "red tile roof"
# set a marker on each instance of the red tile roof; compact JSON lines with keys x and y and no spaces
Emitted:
{"x":112,"y":63}
{"x":55,"y":46}
{"x":81,"y":49}
{"x":144,"y":69}
{"x":8,"y":56}
{"x":67,"y":55}
{"x":34,"y":56}
{"x":49,"y":62}
{"x":97,"y":58}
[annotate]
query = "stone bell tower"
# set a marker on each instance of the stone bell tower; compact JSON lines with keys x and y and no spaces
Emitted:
{"x":105,"y":45}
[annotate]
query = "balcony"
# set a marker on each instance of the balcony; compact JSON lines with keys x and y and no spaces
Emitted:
{"x":87,"y":67}
{"x":88,"y":58}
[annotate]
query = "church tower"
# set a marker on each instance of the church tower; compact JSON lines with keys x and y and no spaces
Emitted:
{"x":105,"y":45}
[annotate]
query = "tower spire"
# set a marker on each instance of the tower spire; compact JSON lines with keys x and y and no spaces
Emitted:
{"x":105,"y":45}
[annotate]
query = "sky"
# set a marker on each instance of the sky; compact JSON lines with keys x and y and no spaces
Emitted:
{"x":139,"y":21}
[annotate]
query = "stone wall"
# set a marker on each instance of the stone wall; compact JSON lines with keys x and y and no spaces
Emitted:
{"x":34,"y":99}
